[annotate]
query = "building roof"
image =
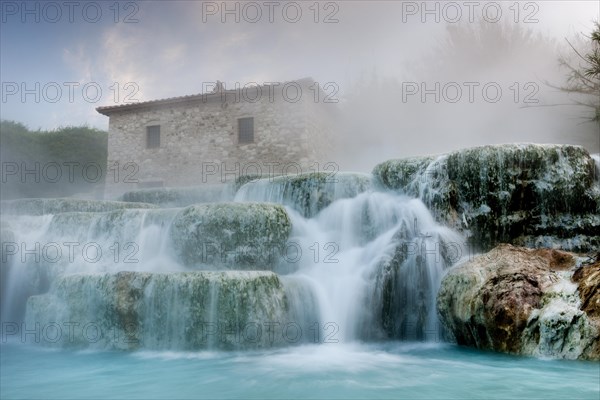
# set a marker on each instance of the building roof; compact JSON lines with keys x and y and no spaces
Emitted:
{"x":200,"y":97}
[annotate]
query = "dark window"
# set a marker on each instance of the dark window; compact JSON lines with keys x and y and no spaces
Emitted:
{"x":153,"y":136}
{"x":246,"y":130}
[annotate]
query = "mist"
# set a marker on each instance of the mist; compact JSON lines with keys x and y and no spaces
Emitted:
{"x":406,"y":78}
{"x":175,"y":223}
{"x":70,"y":161}
{"x":478,"y":84}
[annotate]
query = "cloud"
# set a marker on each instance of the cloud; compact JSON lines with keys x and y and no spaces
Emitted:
{"x":123,"y":56}
{"x":79,"y":61}
{"x":174,"y":55}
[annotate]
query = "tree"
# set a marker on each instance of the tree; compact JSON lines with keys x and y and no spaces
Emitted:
{"x":583,"y":73}
{"x":44,"y":153}
{"x":500,"y":50}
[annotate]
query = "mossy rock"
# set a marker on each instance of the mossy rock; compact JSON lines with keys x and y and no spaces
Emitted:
{"x":231,"y":235}
{"x":306,"y":193}
{"x":501,"y":193}
{"x":401,"y":174}
{"x":179,"y":311}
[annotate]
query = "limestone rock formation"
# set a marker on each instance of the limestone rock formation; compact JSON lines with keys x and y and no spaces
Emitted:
{"x":180,"y":311}
{"x":238,"y":235}
{"x":527,"y":194}
{"x":306,"y":193}
{"x":524,"y":301}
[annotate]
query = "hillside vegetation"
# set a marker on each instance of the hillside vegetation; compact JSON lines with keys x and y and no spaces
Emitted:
{"x":57,"y":163}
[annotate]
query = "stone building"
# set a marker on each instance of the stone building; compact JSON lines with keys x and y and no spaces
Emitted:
{"x":219,"y":135}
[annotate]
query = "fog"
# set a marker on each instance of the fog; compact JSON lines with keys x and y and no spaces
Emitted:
{"x":478,"y":84}
{"x":411,"y":78}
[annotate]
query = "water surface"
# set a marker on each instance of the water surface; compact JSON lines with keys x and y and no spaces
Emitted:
{"x":392,"y":370}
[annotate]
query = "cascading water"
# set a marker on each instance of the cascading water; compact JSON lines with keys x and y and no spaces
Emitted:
{"x":596,"y":158}
{"x":42,"y":248}
{"x":353,"y":265}
{"x":351,"y":252}
{"x":307,"y":194}
{"x":358,"y":265}
{"x":20,"y":280}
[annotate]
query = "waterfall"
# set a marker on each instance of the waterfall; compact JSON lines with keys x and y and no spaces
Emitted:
{"x":306,"y":193}
{"x":350,"y":251}
{"x":176,"y":311}
{"x":19,"y":278}
{"x":38,"y":249}
{"x":335,"y":261}
{"x":596,"y":158}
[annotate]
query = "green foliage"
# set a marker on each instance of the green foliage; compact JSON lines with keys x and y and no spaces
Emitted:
{"x":67,"y":150}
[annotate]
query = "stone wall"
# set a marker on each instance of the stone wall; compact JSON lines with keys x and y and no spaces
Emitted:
{"x":199,"y":141}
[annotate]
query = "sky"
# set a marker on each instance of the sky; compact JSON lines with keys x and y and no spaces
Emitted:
{"x":60,"y":60}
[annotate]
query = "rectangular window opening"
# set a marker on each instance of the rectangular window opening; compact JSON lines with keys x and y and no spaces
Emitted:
{"x":153,"y":136}
{"x":246,"y":130}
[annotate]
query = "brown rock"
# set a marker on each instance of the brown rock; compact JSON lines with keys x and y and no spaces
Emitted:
{"x":508,"y":299}
{"x":522,"y":301}
{"x":557,"y":259}
{"x":588,"y":279}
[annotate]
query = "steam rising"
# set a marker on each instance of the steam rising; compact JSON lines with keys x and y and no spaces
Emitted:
{"x":410,"y":82}
{"x":480,"y":84}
